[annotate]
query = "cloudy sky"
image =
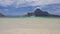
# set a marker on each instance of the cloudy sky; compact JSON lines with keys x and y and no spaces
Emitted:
{"x":27,"y":2}
{"x":24,"y":3}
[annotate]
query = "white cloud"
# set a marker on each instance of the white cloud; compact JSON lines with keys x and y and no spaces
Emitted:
{"x":6,"y":2}
{"x":43,"y":2}
{"x":27,"y":2}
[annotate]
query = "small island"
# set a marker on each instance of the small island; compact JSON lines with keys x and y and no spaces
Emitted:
{"x":38,"y":13}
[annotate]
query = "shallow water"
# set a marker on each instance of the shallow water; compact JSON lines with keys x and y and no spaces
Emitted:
{"x":30,"y":25}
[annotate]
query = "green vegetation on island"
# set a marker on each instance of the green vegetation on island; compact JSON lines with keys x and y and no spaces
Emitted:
{"x":1,"y":15}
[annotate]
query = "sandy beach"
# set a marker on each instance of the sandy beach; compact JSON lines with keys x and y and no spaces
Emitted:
{"x":30,"y":25}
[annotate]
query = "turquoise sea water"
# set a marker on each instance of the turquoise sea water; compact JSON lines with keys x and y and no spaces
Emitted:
{"x":30,"y":17}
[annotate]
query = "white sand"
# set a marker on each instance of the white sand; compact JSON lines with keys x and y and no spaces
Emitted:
{"x":29,"y":25}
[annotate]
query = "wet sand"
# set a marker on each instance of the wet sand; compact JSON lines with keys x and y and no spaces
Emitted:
{"x":29,"y":25}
